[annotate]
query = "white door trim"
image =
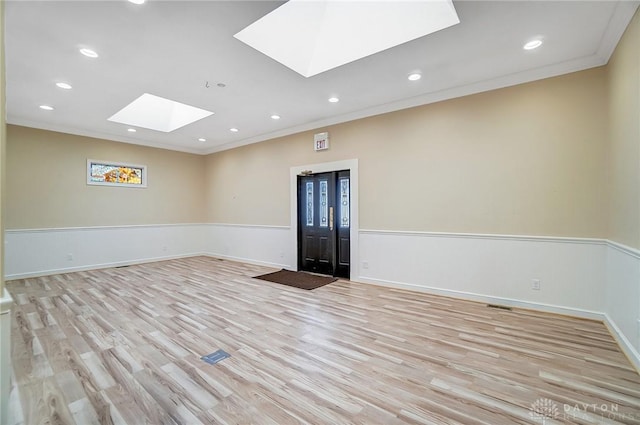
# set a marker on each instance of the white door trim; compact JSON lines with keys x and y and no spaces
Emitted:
{"x":326,"y":167}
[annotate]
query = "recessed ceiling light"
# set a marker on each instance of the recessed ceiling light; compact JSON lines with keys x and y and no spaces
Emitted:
{"x":275,"y":117}
{"x":202,"y":139}
{"x":46,"y":107}
{"x":533,"y":44}
{"x":414,"y":77}
{"x":64,"y":86}
{"x":89,"y":53}
{"x":233,"y":130}
{"x":137,"y":1}
{"x":131,"y":130}
{"x":334,"y":100}
{"x":158,"y":113}
{"x":311,"y":37}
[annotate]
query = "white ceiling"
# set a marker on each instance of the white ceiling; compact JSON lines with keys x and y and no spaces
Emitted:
{"x":181,"y":50}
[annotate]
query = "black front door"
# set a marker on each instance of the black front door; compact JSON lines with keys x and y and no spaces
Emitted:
{"x":323,"y":223}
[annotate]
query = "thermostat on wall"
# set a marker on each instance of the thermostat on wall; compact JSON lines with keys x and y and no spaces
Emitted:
{"x":321,"y":141}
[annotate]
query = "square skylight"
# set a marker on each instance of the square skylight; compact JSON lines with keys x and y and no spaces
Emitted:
{"x":313,"y":36}
{"x":158,"y":113}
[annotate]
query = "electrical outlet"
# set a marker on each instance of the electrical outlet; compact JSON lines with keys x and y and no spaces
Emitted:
{"x":69,"y":257}
{"x":535,"y":284}
{"x":365,"y":264}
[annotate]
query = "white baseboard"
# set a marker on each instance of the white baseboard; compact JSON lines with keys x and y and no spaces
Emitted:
{"x":580,"y":277}
{"x":623,"y":342}
{"x":627,"y":348}
{"x":507,"y":302}
{"x":88,"y":267}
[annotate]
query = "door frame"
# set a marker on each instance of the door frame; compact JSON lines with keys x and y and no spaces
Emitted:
{"x":326,"y":167}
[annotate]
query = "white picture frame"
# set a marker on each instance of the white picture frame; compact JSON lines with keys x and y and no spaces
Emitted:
{"x":117,"y":174}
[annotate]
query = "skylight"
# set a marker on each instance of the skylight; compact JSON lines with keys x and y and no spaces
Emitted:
{"x":313,"y":36}
{"x":158,"y":113}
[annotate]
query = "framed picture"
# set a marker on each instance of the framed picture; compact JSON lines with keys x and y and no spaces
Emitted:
{"x":108,"y":173}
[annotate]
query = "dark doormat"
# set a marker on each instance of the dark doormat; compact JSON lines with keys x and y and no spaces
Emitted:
{"x":300,"y":280}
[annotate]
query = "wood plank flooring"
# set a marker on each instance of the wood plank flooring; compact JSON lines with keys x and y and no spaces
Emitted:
{"x":123,"y":346}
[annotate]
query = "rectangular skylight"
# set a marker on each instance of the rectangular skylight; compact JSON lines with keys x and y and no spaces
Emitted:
{"x":313,"y":36}
{"x":158,"y":113}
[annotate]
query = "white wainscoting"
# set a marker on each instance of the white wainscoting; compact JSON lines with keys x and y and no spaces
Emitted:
{"x":590,"y":278}
{"x":37,"y":252}
{"x":255,"y":244}
{"x":491,"y":268}
{"x":622,"y":298}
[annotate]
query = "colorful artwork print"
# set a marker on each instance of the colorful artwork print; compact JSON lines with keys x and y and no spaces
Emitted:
{"x":102,"y":173}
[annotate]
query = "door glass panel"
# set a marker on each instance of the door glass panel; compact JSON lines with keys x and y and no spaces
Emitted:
{"x":344,"y":201}
{"x":324,"y":207}
{"x":309,"y":200}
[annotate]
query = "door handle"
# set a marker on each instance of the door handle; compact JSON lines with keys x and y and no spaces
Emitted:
{"x":330,"y":218}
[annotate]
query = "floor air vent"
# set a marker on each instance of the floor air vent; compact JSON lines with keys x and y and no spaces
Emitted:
{"x":499,"y":307}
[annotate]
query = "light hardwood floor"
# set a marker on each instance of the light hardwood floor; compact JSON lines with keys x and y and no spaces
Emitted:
{"x":123,"y":346}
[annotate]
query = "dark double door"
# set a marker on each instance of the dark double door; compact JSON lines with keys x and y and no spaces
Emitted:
{"x":324,"y":220}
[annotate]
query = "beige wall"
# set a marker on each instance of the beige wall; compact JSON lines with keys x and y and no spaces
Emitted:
{"x":46,"y":183}
{"x":525,"y":160}
{"x":624,"y":158}
{"x":534,"y":159}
